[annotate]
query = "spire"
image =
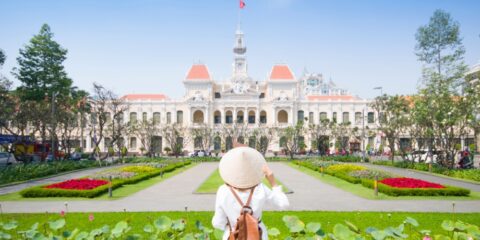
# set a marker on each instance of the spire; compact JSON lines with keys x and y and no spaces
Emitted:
{"x":239,"y":49}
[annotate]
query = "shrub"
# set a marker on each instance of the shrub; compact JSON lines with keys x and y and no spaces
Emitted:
{"x":22,"y":172}
{"x":345,"y":168}
{"x":369,"y":174}
{"x":40,"y":191}
{"x":138,"y":169}
{"x":393,"y":191}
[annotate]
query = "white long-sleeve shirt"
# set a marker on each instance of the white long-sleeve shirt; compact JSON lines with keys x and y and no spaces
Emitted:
{"x":227,"y":206}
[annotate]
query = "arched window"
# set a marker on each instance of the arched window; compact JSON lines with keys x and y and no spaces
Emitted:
{"x":240,"y":117}
{"x":251,"y":117}
{"x":323,"y":116}
{"x":252,"y":141}
{"x":283,"y":141}
{"x":144,"y":117}
{"x":263,"y":117}
{"x":169,"y":117}
{"x":133,"y":143}
{"x":228,"y":117}
{"x":217,"y":143}
{"x":241,"y":140}
{"x":198,"y":117}
{"x":228,"y":143}
{"x":133,"y":117}
{"x":371,"y":117}
{"x":282,"y":116}
{"x":156,"y":118}
{"x":217,"y":117}
{"x":345,"y":117}
{"x":358,"y":117}
{"x":300,"y":116}
{"x":179,"y":117}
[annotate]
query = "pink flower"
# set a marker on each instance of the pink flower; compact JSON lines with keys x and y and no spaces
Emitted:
{"x":62,"y":213}
{"x":427,"y":238}
{"x":91,"y":217}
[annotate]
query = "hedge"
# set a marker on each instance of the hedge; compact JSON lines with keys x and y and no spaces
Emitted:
{"x":388,"y":190}
{"x":41,"y":191}
{"x":393,"y":191}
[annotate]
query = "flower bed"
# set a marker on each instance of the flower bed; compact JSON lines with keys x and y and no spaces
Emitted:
{"x":409,"y":183}
{"x":469,"y":174}
{"x":356,"y":174}
{"x":41,"y":191}
{"x":78,"y":184}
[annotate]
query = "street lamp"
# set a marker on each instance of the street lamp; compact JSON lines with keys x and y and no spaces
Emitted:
{"x":54,"y":95}
{"x":379,"y":88}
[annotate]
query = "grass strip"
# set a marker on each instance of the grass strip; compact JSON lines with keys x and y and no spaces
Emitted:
{"x":214,"y":181}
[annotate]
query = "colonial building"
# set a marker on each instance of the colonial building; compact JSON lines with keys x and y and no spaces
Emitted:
{"x":280,"y":100}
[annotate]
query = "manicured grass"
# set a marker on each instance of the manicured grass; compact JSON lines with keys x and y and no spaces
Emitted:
{"x":214,"y":181}
{"x":124,"y":191}
{"x":361,"y":191}
{"x":137,"y":220}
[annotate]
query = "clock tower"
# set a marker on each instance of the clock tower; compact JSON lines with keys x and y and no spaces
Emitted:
{"x":239,"y":49}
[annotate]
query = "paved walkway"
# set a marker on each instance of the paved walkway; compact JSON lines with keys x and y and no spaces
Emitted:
{"x":424,"y":176}
{"x":176,"y":193}
{"x":60,"y":178}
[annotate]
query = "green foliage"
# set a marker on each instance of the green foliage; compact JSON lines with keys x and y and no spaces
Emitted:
{"x":347,"y":172}
{"x":41,"y":71}
{"x":469,"y":174}
{"x":392,"y":191}
{"x":165,"y":228}
{"x":40,"y":191}
{"x":22,"y":172}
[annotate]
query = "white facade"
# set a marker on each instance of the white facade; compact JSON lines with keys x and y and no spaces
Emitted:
{"x":277,"y":101}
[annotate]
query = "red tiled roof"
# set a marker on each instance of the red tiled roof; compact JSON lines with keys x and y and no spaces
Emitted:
{"x":332,"y":98}
{"x":281,"y":72}
{"x":145,"y":97}
{"x":198,"y":72}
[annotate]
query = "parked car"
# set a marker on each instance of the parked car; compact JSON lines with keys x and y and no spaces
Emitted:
{"x":75,"y":156}
{"x":7,"y":158}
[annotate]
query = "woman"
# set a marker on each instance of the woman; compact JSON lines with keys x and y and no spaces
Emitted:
{"x":242,"y":169}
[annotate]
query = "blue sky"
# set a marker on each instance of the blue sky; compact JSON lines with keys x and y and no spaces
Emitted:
{"x":147,"y":46}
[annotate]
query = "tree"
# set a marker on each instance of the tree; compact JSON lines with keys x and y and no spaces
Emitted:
{"x":319,"y":134}
{"x":146,"y":131}
{"x":291,"y":139}
{"x":445,"y":109}
{"x":203,"y":136}
{"x":393,"y":121}
{"x":262,"y":138}
{"x":43,"y":79}
{"x":176,"y":136}
{"x":41,"y":71}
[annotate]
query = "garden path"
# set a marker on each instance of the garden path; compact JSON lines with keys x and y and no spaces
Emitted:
{"x":54,"y":179}
{"x":424,"y":176}
{"x":176,"y":193}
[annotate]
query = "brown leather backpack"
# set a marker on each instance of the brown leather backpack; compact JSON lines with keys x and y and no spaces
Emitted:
{"x":247,"y":227}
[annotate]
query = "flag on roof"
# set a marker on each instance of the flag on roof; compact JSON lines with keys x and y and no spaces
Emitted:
{"x":242,"y":4}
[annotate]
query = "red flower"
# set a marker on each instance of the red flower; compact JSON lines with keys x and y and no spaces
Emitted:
{"x":78,"y":184}
{"x":409,"y":183}
{"x":91,"y":217}
{"x":62,"y":213}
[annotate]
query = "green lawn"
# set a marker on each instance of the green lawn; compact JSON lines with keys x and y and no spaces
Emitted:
{"x":137,"y":220}
{"x":214,"y":181}
{"x":124,"y":191}
{"x":368,"y":193}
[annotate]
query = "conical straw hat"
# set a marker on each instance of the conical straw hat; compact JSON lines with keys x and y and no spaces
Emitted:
{"x":241,"y":167}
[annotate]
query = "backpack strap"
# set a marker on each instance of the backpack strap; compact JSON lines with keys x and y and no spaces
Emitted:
{"x":247,"y":204}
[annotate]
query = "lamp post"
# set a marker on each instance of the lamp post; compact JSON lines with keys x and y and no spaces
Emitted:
{"x":379,"y":88}
{"x":54,"y":95}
